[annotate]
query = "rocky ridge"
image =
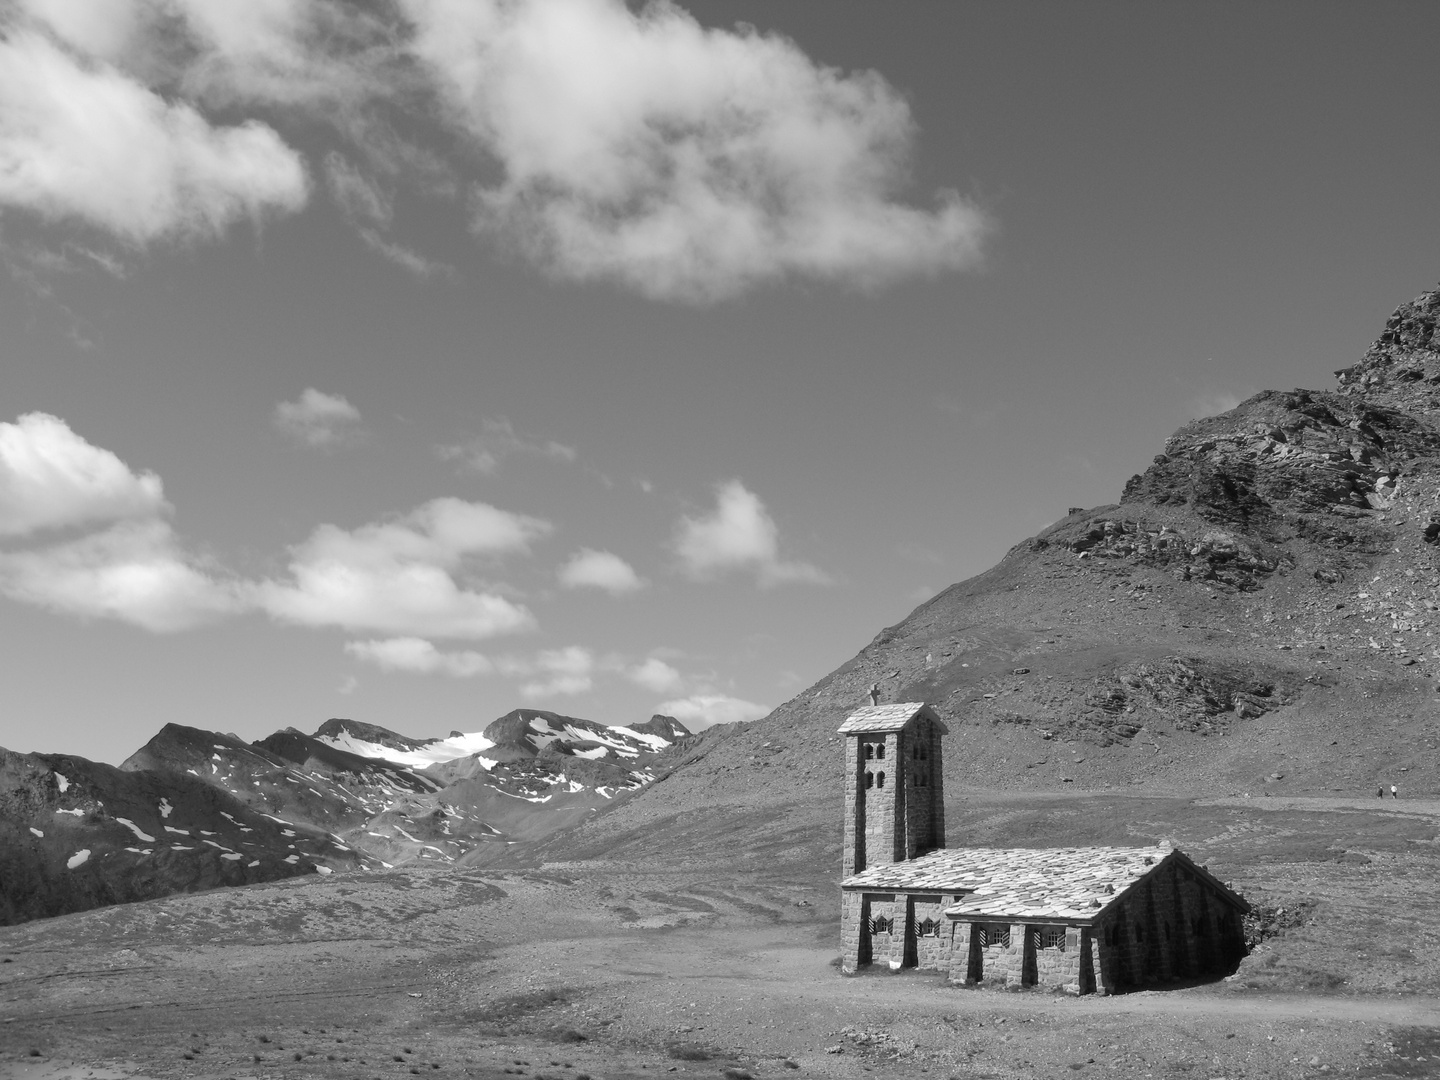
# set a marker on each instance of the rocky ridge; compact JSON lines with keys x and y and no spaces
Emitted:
{"x":195,"y":809}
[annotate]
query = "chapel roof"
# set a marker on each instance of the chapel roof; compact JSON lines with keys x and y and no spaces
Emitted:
{"x":893,"y":717}
{"x":1071,"y":884}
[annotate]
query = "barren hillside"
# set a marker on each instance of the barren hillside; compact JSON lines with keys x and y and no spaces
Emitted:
{"x":1253,"y":617}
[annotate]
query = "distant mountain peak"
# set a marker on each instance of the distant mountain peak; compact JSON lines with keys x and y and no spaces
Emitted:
{"x":195,"y":808}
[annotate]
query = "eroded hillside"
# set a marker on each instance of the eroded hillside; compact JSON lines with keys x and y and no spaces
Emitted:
{"x":1256,"y":615}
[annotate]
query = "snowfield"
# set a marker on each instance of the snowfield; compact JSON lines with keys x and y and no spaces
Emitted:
{"x":432,"y":753}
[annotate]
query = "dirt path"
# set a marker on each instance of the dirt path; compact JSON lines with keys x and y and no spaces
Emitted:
{"x":538,"y":976}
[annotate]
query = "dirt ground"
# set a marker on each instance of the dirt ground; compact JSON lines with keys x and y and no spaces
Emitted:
{"x":706,"y":971}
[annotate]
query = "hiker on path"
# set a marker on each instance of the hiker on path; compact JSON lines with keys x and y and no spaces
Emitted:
{"x":1381,"y":793}
{"x":1394,"y":792}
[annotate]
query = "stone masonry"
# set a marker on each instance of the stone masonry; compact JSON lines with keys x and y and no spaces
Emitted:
{"x":1082,"y":920}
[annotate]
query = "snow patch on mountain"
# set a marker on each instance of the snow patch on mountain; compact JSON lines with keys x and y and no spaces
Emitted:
{"x":423,"y":756}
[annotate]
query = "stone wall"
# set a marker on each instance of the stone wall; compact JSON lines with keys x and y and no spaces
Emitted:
{"x":854,"y":939}
{"x":908,"y":943}
{"x":894,"y":798}
{"x":932,"y":944}
{"x":889,"y":947}
{"x":919,"y":753}
{"x":874,"y":803}
{"x":1171,"y":925}
{"x":1054,"y":957}
{"x":854,"y":821}
{"x":1046,"y":956}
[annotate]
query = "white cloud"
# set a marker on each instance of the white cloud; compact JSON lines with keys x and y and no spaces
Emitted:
{"x":318,"y":419}
{"x":133,"y":571}
{"x":407,"y":576}
{"x":370,"y":208}
{"x":683,"y":162}
{"x":738,"y":535}
{"x":84,"y":141}
{"x":420,"y":656}
{"x":498,"y":440}
{"x":554,"y":672}
{"x":50,"y":478}
{"x":589,"y":568}
{"x":633,"y":146}
{"x":656,"y":676}
{"x":700,"y":711}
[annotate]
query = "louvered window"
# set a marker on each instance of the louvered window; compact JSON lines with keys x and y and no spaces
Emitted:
{"x":928,"y":928}
{"x":881,"y":925}
{"x":1051,"y":937}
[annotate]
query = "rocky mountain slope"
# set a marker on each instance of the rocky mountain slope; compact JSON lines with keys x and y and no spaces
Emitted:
{"x":194,"y":809}
{"x":1256,"y":615}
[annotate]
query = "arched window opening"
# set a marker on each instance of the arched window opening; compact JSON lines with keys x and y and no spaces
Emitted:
{"x":869,"y":779}
{"x":880,"y":751}
{"x":869,"y":751}
{"x":880,"y":780}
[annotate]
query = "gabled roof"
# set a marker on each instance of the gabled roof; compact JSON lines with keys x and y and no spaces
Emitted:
{"x":878,"y":718}
{"x":1062,"y":884}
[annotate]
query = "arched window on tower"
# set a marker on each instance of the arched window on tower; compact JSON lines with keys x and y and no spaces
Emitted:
{"x":880,"y":751}
{"x":869,"y":751}
{"x":870,"y":779}
{"x":880,"y":780}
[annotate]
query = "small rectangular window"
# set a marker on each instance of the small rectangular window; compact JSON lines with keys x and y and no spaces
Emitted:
{"x":995,"y":935}
{"x":1051,"y":937}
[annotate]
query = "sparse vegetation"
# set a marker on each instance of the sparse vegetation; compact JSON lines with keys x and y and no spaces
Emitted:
{"x":1271,"y":920}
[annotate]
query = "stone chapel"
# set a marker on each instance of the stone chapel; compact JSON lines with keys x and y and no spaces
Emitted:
{"x":1083,"y":920}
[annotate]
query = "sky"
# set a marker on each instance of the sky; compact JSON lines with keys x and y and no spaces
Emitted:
{"x":414,"y":361}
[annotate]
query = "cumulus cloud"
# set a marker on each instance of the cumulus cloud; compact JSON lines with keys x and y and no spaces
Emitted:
{"x":700,"y":711}
{"x":134,"y":571}
{"x":633,"y":146}
{"x":51,"y":477}
{"x":417,"y":655}
{"x":592,"y":569}
{"x":685,"y":162}
{"x":656,"y":676}
{"x":83,"y":141}
{"x":407,"y":576}
{"x":553,"y":672}
{"x":739,"y":534}
{"x":498,"y":440}
{"x":318,"y":419}
{"x":412,"y":577}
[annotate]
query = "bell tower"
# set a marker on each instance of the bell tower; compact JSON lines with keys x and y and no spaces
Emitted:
{"x":894,"y":793}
